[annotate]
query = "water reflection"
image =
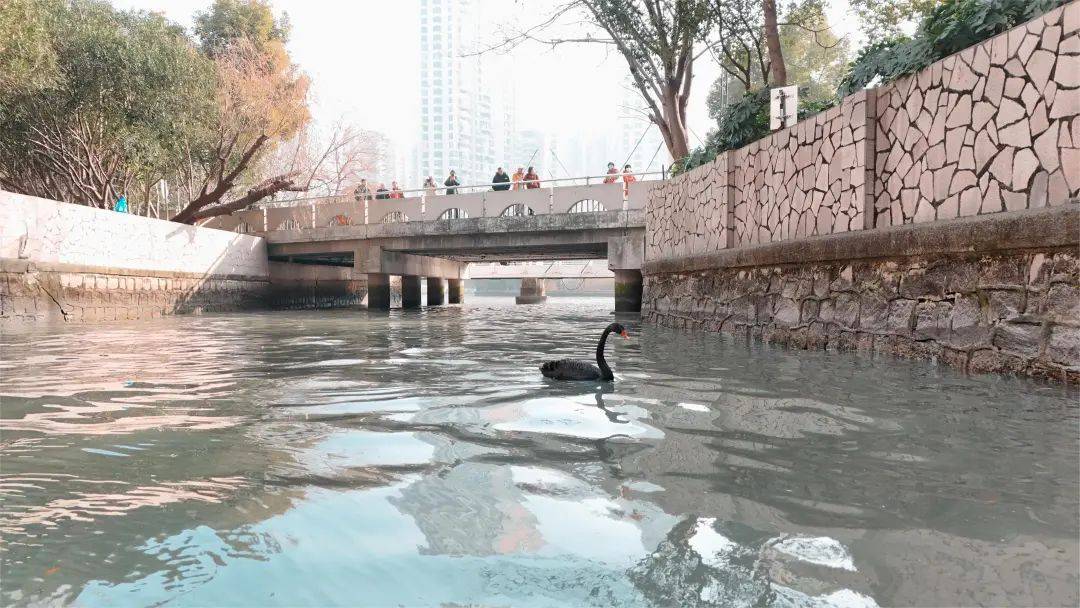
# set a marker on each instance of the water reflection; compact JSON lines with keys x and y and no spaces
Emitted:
{"x":419,"y":459}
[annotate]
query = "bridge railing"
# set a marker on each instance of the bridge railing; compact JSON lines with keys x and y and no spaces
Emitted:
{"x":562,"y":195}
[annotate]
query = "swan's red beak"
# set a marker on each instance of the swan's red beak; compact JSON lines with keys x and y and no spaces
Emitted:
{"x":624,"y":335}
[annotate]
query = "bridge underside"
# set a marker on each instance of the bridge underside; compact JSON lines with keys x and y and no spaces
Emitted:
{"x":548,"y":252}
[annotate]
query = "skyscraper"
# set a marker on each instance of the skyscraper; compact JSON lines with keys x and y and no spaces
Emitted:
{"x":640,"y":141}
{"x":456,"y":122}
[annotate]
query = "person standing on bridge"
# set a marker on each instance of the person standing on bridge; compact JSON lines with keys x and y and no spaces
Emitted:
{"x":612,"y":174}
{"x":429,"y":186}
{"x":532,"y":180}
{"x":501,"y":181}
{"x":395,"y":191}
{"x":627,"y":178}
{"x":381,"y":193}
{"x":362,"y":192}
{"x":452,"y":183}
{"x":518,"y":176}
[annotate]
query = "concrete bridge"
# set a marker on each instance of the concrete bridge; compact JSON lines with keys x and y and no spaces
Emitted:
{"x":436,"y":237}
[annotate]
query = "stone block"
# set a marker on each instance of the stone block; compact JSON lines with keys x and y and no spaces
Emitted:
{"x":1061,"y":303}
{"x":873,"y":312}
{"x":1004,"y":304}
{"x":996,"y":362}
{"x":968,"y":327}
{"x":1023,"y":339}
{"x":1063,"y":345}
{"x":932,"y":320}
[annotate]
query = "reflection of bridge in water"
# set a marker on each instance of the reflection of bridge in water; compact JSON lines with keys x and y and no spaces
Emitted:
{"x":437,"y":237}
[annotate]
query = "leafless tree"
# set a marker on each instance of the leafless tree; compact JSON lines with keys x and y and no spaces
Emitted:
{"x":659,"y":39}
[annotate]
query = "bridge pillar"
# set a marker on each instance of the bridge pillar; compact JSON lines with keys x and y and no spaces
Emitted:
{"x":628,"y":287}
{"x":532,"y":292}
{"x":410,"y":291}
{"x":457,"y":290}
{"x":436,"y":292}
{"x":378,"y":291}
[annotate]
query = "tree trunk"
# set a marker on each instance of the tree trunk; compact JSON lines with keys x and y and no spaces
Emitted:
{"x":772,"y":40}
{"x":674,"y":127}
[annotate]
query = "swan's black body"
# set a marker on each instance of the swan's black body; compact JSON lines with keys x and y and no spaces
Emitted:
{"x":577,"y":369}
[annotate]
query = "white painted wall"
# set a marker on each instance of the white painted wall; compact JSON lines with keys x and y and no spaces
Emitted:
{"x":46,"y":231}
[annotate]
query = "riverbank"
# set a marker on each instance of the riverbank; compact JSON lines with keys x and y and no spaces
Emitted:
{"x":63,"y":262}
{"x":934,"y":217}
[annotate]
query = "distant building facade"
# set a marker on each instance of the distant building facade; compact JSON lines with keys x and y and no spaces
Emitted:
{"x":459,"y":116}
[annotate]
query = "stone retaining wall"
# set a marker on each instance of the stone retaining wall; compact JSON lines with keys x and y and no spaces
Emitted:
{"x":997,"y":293}
{"x":32,"y":293}
{"x":64,"y":262}
{"x":809,"y":236}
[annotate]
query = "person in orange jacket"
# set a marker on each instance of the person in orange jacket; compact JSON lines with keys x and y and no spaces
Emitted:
{"x":517,"y":177}
{"x":627,"y":178}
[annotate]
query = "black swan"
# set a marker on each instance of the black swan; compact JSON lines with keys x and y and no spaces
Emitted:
{"x":576,"y":369}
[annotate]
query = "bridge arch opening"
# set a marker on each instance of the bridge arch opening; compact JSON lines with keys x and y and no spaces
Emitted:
{"x":453,"y":213}
{"x":290,"y":224}
{"x":517,"y":209}
{"x":395,"y":217}
{"x":243,"y":228}
{"x":586,"y":206}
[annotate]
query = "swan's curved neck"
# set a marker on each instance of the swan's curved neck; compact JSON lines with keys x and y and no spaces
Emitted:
{"x":605,"y":371}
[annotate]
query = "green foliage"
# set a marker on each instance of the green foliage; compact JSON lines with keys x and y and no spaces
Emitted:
{"x":882,"y":18}
{"x":27,"y":60}
{"x":816,"y":59}
{"x":740,"y":123}
{"x":229,"y":20}
{"x":947,"y":28}
{"x":128,"y":91}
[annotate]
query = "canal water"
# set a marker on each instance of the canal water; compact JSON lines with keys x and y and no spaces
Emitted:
{"x":419,"y":459}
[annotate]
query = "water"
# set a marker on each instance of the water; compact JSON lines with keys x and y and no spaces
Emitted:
{"x":419,"y":459}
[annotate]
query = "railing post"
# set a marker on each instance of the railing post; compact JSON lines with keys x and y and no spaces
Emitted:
{"x":314,"y":220}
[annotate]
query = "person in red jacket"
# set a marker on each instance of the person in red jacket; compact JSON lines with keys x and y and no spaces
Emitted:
{"x":395,"y":191}
{"x":532,"y":180}
{"x":612,"y":174}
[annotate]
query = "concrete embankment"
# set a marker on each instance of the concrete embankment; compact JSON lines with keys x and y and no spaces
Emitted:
{"x":64,"y":262}
{"x":932,"y":217}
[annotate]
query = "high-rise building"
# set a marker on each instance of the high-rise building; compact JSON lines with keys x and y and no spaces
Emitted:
{"x":640,"y":141}
{"x":457,"y":109}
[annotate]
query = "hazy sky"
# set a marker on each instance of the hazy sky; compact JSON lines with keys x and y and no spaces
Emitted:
{"x":363,"y":57}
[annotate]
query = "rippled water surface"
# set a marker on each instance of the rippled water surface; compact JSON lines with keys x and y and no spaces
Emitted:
{"x":419,"y":459}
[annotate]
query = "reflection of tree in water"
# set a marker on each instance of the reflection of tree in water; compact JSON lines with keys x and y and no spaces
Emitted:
{"x":706,"y":563}
{"x":674,"y":574}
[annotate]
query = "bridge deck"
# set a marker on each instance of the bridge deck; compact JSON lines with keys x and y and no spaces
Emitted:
{"x":563,"y":236}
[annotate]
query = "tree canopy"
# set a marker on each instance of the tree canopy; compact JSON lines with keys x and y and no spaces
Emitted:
{"x":123,"y":89}
{"x":97,"y":102}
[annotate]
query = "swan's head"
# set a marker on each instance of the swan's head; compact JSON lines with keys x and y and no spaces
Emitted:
{"x":619,"y":329}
